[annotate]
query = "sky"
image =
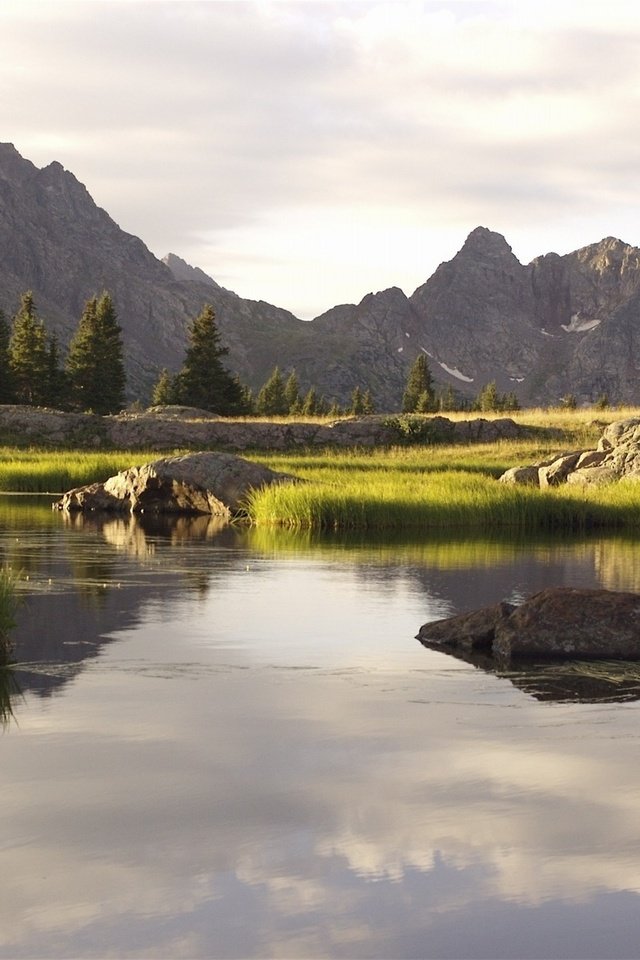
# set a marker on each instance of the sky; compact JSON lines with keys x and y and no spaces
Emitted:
{"x":308,"y":153}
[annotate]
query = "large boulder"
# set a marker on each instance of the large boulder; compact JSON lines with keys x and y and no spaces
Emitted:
{"x":196,"y":483}
{"x":560,"y":622}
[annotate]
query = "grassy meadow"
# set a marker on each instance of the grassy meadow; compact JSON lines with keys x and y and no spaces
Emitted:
{"x":416,"y":488}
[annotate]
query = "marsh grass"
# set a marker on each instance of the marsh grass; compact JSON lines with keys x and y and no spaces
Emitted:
{"x":38,"y":471}
{"x":433,"y":488}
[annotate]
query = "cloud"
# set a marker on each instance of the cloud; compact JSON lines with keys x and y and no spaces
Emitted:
{"x":206,"y":127}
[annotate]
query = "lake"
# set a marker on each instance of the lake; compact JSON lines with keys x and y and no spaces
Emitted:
{"x":227,"y":743}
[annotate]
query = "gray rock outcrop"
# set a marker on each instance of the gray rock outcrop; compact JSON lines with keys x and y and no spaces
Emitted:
{"x":617,"y":456}
{"x":197,"y":483}
{"x":168,"y":428}
{"x":560,"y":623}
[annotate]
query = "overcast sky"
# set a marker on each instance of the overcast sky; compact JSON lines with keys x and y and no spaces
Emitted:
{"x":306,"y":153}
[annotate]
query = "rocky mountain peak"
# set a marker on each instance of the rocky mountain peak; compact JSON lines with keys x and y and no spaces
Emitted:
{"x":485,"y":244}
{"x":184,"y":272}
{"x":13,"y":166}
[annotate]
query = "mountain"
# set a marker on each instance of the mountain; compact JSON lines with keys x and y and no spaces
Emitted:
{"x":561,"y":324}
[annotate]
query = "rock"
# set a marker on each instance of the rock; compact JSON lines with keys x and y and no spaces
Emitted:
{"x":165,"y":428}
{"x":197,"y":483}
{"x":560,"y":623}
{"x":617,"y":456}
{"x":572,"y":623}
{"x":522,"y":475}
{"x":468,"y":631}
{"x":557,"y":471}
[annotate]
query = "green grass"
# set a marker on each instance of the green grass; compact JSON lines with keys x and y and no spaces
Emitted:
{"x":432,"y":488}
{"x":46,"y":471}
{"x":428,"y":487}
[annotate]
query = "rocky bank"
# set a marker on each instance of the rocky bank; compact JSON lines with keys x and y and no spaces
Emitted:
{"x":616,"y":456}
{"x":169,"y":428}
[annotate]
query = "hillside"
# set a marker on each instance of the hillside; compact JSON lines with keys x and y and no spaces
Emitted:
{"x":561,"y":324}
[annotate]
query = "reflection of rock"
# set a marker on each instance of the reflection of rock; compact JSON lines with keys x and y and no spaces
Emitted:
{"x":555,"y":623}
{"x":197,"y":483}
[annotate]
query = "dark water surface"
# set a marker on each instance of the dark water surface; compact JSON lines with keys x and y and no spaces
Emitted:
{"x":228,"y":743}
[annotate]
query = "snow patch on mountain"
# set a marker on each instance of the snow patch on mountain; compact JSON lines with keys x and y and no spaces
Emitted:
{"x":455,"y":372}
{"x":579,"y":326}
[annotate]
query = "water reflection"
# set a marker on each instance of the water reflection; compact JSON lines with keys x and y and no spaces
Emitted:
{"x":249,"y":755}
{"x":577,"y":681}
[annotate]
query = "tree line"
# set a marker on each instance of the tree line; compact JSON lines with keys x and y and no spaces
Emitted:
{"x":420,"y":395}
{"x":92,"y":376}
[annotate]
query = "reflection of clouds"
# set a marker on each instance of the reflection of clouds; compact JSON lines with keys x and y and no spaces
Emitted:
{"x":197,"y":794}
{"x":320,"y":809}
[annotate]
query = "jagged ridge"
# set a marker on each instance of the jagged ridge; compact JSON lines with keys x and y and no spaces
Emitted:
{"x":560,"y":324}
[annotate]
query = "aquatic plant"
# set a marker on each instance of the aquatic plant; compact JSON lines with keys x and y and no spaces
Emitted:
{"x":8,"y":605}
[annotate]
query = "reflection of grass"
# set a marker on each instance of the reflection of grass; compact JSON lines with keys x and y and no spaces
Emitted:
{"x":8,"y":604}
{"x":9,"y":689}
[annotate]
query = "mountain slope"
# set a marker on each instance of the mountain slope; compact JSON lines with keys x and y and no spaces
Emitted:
{"x":561,"y":324}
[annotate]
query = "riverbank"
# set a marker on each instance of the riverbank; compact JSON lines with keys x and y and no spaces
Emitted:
{"x":416,"y":484}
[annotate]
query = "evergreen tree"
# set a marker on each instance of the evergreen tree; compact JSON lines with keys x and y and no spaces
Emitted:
{"x":335,"y":410}
{"x":7,"y":394}
{"x":310,"y":404}
{"x":164,"y":390}
{"x":95,"y":366}
{"x":419,"y":382}
{"x":292,"y":392}
{"x":57,"y":385}
{"x":28,"y":360}
{"x":447,"y":400}
{"x":203,"y":381}
{"x":356,"y":407}
{"x":424,"y":403}
{"x":272,"y":399}
{"x":488,"y":398}
{"x":368,"y":406}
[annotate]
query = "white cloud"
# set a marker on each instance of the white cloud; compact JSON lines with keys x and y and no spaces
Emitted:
{"x":227,"y":131}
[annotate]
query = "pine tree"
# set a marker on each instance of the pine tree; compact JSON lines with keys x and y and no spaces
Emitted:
{"x":272,"y":399}
{"x":57,"y":385}
{"x":292,"y":392}
{"x":95,"y":366}
{"x":28,"y":360}
{"x":419,"y":382}
{"x":488,"y":399}
{"x":7,"y":394}
{"x":203,"y":380}
{"x":368,"y":406}
{"x":447,"y":400}
{"x":356,"y":407}
{"x":310,"y":403}
{"x":164,"y":390}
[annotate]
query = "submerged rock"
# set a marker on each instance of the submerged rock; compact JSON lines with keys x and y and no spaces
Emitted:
{"x":560,"y":623}
{"x":197,"y":483}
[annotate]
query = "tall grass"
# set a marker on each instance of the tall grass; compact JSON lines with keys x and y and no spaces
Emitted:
{"x":37,"y":471}
{"x":432,"y":488}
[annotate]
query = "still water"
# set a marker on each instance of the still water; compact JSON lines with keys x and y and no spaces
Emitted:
{"x":228,"y":743}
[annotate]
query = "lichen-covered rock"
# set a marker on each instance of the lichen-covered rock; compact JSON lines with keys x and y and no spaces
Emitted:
{"x":197,"y":483}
